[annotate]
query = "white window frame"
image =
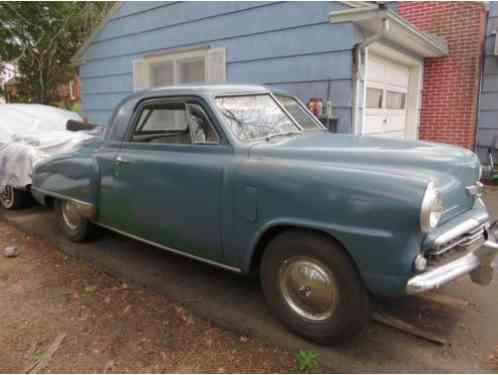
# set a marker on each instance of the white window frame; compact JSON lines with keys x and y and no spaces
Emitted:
{"x":142,"y":68}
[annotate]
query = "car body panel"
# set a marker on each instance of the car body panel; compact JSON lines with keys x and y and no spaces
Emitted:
{"x":189,"y":218}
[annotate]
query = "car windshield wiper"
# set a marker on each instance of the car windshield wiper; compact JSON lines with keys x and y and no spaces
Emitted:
{"x":270,"y":136}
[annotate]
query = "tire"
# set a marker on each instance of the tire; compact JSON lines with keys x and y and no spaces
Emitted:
{"x":13,"y":199}
{"x":336,"y":307}
{"x":74,"y":226}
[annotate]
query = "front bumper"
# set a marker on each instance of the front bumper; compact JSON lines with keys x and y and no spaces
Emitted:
{"x":479,"y":264}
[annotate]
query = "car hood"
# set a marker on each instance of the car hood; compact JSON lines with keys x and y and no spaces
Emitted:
{"x":451,"y":168}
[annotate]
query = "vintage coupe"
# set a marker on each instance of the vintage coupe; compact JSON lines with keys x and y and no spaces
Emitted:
{"x":247,"y":179}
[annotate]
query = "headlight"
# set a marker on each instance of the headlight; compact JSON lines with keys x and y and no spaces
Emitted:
{"x":432,"y":208}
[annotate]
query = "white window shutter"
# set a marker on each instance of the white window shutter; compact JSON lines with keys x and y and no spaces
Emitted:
{"x":216,"y":65}
{"x":140,"y":75}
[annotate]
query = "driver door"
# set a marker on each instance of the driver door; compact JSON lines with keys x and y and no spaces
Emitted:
{"x":166,"y":179}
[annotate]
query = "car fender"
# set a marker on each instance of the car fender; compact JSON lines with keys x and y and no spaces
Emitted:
{"x":73,"y":176}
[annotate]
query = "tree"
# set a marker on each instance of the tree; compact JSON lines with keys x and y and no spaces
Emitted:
{"x":40,"y":38}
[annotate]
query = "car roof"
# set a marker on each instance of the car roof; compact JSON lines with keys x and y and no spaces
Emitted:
{"x":209,"y":89}
{"x":206,"y":90}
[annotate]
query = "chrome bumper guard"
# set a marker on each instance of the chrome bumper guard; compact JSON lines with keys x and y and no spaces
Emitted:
{"x":478,"y":263}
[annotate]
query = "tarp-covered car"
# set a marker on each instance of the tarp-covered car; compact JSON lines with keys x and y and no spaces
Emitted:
{"x":30,"y":133}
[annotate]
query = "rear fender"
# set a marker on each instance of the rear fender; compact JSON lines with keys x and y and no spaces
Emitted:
{"x":72,"y":177}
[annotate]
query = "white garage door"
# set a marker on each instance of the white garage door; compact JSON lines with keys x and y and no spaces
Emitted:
{"x":387,"y":87}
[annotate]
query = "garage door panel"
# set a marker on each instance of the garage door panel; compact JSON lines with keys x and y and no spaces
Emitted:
{"x":388,"y":81}
{"x":398,"y":77}
{"x":381,"y":124}
{"x":392,"y":135}
{"x":375,"y":71}
{"x":375,"y":125}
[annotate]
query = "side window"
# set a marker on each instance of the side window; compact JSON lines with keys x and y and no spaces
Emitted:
{"x":174,"y":123}
{"x":162,"y":123}
{"x":201,"y":130}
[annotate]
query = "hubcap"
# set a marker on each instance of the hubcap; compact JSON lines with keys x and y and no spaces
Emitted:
{"x":7,"y":196}
{"x":308,"y":287}
{"x":70,"y":215}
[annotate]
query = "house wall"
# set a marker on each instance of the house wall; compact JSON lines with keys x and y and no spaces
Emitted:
{"x":488,"y":106}
{"x":451,"y":84}
{"x":285,"y":45}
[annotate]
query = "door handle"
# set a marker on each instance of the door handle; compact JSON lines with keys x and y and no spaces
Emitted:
{"x":121,"y":161}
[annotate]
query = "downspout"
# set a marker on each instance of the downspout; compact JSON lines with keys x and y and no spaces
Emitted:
{"x":481,"y":82}
{"x":359,"y":50}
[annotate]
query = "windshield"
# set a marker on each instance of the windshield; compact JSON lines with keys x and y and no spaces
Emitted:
{"x":296,"y":110}
{"x":252,"y":117}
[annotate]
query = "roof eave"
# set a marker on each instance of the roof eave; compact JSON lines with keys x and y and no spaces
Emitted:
{"x":78,"y":59}
{"x":370,"y":18}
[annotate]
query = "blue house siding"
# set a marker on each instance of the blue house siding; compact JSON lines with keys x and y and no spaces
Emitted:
{"x":285,"y":45}
{"x":487,"y":125}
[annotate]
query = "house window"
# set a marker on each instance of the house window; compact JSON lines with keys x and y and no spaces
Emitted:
{"x":198,"y":66}
{"x":162,"y":73}
{"x":192,"y":70}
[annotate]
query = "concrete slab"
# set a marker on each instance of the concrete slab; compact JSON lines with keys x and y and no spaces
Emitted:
{"x":236,"y":303}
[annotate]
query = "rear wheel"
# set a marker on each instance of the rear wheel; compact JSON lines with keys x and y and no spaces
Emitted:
{"x":74,"y":226}
{"x":311,"y":285}
{"x":12,"y":199}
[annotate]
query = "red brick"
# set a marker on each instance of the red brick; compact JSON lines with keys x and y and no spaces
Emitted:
{"x":451,"y":84}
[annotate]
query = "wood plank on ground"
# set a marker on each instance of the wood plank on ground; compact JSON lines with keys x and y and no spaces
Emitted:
{"x":432,"y":316}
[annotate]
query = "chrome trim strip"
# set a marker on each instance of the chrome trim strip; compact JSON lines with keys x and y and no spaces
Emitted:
{"x":85,"y":209}
{"x":459,"y":230}
{"x":78,"y":202}
{"x":479,"y":261}
{"x":211,"y":262}
{"x":60,"y":196}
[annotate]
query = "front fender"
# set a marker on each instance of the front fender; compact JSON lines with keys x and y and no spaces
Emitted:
{"x":383,"y":275}
{"x":373,"y":213}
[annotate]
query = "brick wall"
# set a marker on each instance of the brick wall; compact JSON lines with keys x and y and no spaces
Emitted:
{"x":451,"y":84}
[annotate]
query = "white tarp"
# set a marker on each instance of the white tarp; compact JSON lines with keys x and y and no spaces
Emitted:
{"x":30,"y":133}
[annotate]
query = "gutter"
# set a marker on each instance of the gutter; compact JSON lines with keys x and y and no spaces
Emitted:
{"x":434,"y":47}
{"x":481,"y":82}
{"x":371,"y":39}
{"x":78,"y":57}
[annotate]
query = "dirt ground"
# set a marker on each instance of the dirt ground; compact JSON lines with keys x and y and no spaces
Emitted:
{"x":107,"y":326}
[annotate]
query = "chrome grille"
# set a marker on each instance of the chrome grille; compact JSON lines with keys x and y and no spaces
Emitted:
{"x":457,"y":247}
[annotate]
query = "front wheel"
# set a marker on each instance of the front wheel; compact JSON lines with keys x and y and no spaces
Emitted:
{"x":74,"y":226}
{"x":311,"y":285}
{"x":11,"y":198}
